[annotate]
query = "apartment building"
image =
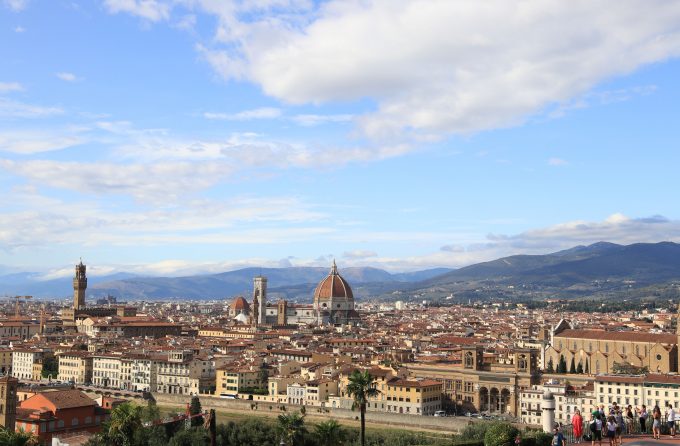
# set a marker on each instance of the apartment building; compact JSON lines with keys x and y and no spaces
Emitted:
{"x":24,"y":361}
{"x":231,"y":380}
{"x":181,"y":373}
{"x":75,"y":366}
{"x":107,"y":371}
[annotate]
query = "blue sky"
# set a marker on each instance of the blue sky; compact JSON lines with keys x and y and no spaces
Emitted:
{"x":173,"y":137}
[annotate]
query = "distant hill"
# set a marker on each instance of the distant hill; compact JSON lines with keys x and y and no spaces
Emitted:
{"x":289,"y":282}
{"x":582,"y":270}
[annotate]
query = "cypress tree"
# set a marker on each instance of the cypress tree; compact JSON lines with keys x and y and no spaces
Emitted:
{"x":572,"y":366}
{"x":551,"y":366}
{"x":562,"y":367}
{"x":579,"y":367}
{"x":587,"y":370}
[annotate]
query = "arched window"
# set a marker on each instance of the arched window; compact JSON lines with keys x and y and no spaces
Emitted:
{"x":74,"y":422}
{"x":469,"y":360}
{"x":606,"y":347}
{"x":597,"y":366}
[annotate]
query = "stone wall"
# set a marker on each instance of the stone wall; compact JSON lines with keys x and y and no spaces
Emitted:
{"x":451,"y":424}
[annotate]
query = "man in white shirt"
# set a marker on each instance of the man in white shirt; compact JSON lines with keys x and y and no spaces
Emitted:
{"x":670,"y":419}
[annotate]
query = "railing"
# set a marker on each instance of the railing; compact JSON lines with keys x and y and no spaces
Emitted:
{"x":630,"y":427}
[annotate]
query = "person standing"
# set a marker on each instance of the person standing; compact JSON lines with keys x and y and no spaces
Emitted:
{"x":642,"y":413}
{"x":656,"y":423}
{"x":629,"y":419}
{"x":558,"y":438}
{"x":596,"y":429}
{"x":618,"y":419}
{"x":577,"y":423}
{"x":611,"y":430}
{"x":670,"y":419}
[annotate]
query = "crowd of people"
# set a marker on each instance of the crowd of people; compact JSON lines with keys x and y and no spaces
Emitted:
{"x":617,"y":423}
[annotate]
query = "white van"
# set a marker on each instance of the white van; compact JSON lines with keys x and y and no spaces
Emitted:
{"x":440,"y":413}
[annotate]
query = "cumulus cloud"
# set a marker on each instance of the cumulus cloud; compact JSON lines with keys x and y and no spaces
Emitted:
{"x":440,"y":67}
{"x":312,"y":120}
{"x":152,"y":10}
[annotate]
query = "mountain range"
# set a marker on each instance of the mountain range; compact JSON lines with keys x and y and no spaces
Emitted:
{"x":592,"y":270}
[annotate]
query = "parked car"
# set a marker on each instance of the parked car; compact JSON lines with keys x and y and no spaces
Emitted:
{"x":440,"y":413}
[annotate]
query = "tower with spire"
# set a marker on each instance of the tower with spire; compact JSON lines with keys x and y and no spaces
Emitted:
{"x":79,"y":286}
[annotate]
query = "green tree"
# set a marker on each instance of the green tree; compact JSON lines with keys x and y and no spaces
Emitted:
{"x":551,"y":366}
{"x":125,"y":420}
{"x":500,"y":434}
{"x":362,"y":387}
{"x":329,"y":433}
{"x":50,"y":367}
{"x":572,"y":366}
{"x":587,"y":370}
{"x":190,"y":437}
{"x":292,"y":427}
{"x":21,"y":438}
{"x":562,"y":366}
{"x":195,"y":409}
{"x":579,"y":368}
{"x":263,"y":375}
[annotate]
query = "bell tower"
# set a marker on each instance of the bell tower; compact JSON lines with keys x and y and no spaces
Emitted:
{"x":260,"y":300}
{"x":8,"y":402}
{"x":79,"y":286}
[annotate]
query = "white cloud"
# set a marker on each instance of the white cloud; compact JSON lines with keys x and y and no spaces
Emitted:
{"x":19,"y":29}
{"x":16,"y":109}
{"x":162,"y":181}
{"x":29,"y":219}
{"x":37,"y":141}
{"x":359,"y":254}
{"x":16,"y":5}
{"x":10,"y":86}
{"x":247,"y":115}
{"x":67,"y":77}
{"x":312,"y":120}
{"x":152,"y":10}
{"x":441,"y":67}
{"x":557,"y":162}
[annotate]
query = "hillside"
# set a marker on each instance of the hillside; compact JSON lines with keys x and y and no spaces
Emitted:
{"x":579,"y":271}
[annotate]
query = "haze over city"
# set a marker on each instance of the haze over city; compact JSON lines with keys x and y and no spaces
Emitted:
{"x":201,"y":136}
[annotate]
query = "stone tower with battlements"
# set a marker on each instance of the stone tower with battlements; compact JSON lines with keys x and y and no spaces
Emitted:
{"x":79,"y":286}
{"x":8,"y":402}
{"x":260,"y":300}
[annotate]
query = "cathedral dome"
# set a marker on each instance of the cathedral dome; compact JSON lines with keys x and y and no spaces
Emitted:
{"x":240,"y":305}
{"x":333,"y":287}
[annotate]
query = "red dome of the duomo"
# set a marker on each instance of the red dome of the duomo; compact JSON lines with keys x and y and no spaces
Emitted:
{"x":333,"y":286}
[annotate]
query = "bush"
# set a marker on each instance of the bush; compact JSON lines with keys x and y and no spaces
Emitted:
{"x":474,"y":431}
{"x":500,"y":434}
{"x":543,"y":439}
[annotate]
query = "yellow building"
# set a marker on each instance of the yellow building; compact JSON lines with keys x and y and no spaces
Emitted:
{"x":231,"y":380}
{"x":75,"y":366}
{"x":481,"y":382}
{"x":5,"y":360}
{"x":598,"y":350}
{"x":318,"y":391}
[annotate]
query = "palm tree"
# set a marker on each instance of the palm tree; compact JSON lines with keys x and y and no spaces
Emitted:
{"x":292,"y":427}
{"x":362,"y":387}
{"x":329,"y":433}
{"x":125,"y":420}
{"x":21,"y":438}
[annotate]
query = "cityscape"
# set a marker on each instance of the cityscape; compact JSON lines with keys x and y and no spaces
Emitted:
{"x":339,"y":223}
